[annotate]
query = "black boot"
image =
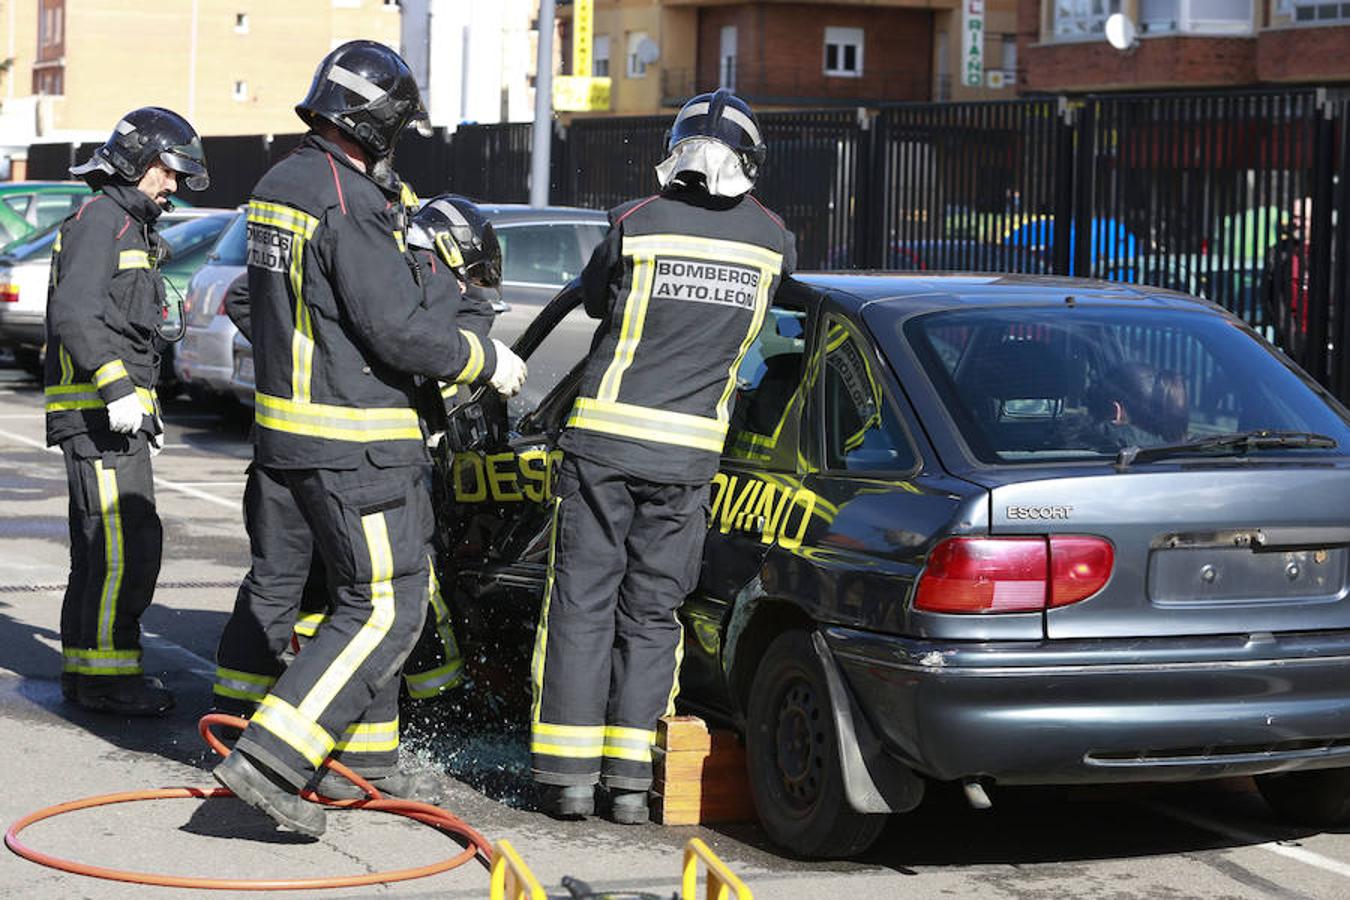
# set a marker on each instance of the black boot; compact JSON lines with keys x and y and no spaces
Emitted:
{"x":423,"y":786}
{"x":572,"y":801}
{"x":247,"y":781}
{"x":70,"y":686}
{"x":628,"y":807}
{"x":123,"y":695}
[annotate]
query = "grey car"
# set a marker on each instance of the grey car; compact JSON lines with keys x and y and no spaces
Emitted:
{"x":990,"y":530}
{"x":204,"y":358}
{"x":542,"y":249}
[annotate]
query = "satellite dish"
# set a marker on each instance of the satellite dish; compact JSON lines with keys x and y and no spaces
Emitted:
{"x":1121,"y":32}
{"x":648,"y":51}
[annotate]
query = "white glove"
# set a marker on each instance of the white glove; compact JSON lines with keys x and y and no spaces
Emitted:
{"x":157,"y":440}
{"x":509,"y":376}
{"x":125,"y":414}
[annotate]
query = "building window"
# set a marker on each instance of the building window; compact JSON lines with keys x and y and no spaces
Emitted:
{"x":600,"y":56}
{"x":636,"y":67}
{"x":240,"y":90}
{"x":1315,"y":12}
{"x":1196,"y":16}
{"x":844,"y":52}
{"x":49,"y":81}
{"x":1082,"y":19}
{"x":726,"y":59}
{"x":241,"y":23}
{"x":50,"y":22}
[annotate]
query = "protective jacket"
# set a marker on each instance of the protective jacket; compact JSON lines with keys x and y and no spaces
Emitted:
{"x":340,"y":322}
{"x":681,"y":283}
{"x":105,"y":301}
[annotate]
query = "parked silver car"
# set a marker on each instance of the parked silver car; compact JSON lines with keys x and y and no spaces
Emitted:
{"x":542,"y":249}
{"x":204,"y":359}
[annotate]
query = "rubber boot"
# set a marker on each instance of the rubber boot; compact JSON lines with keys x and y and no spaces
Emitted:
{"x":572,"y":801}
{"x":124,"y":695}
{"x":70,"y":686}
{"x":424,"y":787}
{"x":628,"y":807}
{"x":249,"y":782}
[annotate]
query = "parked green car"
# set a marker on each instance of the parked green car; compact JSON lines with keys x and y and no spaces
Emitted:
{"x":27,"y":206}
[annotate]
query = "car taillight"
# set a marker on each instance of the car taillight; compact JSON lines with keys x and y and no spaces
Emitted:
{"x":9,"y":293}
{"x":1080,"y":566}
{"x":1013,"y":574}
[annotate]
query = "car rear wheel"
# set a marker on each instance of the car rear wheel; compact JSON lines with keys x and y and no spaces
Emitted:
{"x":793,"y":755}
{"x":1320,"y":797}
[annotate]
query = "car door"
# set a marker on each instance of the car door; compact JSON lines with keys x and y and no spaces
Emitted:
{"x":495,"y":469}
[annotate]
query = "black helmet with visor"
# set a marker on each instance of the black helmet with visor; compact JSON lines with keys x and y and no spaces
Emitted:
{"x":367,"y":91}
{"x":724,"y":117}
{"x":456,"y":229}
{"x":144,"y":137}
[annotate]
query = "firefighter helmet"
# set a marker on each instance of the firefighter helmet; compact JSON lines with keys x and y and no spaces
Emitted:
{"x":456,"y":229}
{"x":366,"y":90}
{"x":724,"y":117}
{"x":143,"y":137}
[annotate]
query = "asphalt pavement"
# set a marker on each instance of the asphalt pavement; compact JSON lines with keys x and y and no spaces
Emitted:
{"x":1150,"y":842}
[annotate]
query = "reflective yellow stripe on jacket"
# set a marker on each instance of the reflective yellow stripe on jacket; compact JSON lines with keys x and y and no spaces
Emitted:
{"x":83,"y":395}
{"x":133,"y":259}
{"x":643,"y":423}
{"x":301,"y":226}
{"x":342,"y":423}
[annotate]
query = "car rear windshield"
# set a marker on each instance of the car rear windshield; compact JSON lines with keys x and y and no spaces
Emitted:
{"x":1040,"y":384}
{"x":232,"y":248}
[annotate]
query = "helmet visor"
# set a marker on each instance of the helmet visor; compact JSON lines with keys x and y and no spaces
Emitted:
{"x":184,"y":161}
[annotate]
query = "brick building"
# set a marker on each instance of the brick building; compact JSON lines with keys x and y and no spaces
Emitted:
{"x":1182,"y":43}
{"x":782,"y":54}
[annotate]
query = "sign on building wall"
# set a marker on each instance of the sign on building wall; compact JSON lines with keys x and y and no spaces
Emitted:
{"x":972,"y":43}
{"x":583,"y":27}
{"x":578,"y":93}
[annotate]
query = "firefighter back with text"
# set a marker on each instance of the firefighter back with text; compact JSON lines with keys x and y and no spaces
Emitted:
{"x":342,"y":329}
{"x":681,"y":283}
{"x":105,"y":305}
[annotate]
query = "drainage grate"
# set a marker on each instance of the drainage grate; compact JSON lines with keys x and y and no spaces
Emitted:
{"x":163,"y":586}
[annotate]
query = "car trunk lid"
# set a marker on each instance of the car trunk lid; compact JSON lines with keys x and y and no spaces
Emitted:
{"x":1199,"y":548}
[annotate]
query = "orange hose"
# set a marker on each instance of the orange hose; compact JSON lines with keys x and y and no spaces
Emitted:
{"x":446,"y":822}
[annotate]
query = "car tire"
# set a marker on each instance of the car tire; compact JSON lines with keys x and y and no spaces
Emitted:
{"x":792,"y":751}
{"x":1320,"y":797}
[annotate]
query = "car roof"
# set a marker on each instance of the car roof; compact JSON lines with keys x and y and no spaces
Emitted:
{"x":14,"y":187}
{"x":512,"y":213}
{"x":908,"y":293}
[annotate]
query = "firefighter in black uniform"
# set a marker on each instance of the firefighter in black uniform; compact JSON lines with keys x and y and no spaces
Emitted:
{"x":341,"y":330}
{"x":285,"y":592}
{"x":104,"y":308}
{"x":681,"y":283}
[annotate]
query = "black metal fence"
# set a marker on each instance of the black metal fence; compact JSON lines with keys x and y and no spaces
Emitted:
{"x":1240,"y":197}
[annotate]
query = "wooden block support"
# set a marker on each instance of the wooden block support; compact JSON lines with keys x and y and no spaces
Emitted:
{"x":700,"y":777}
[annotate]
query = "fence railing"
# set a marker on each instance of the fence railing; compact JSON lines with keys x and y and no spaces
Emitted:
{"x":1241,"y":197}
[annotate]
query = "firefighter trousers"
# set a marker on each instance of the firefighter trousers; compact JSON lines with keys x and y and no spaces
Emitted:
{"x":285,"y":581}
{"x":115,"y":545}
{"x":625,"y":554}
{"x":339,"y":697}
{"x":284,"y":599}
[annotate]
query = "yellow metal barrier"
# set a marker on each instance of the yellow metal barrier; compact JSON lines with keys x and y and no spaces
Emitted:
{"x":511,"y":878}
{"x":722,"y":884}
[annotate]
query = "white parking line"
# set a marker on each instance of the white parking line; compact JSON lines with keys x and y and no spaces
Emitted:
{"x":1307,"y":857}
{"x":232,"y":505}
